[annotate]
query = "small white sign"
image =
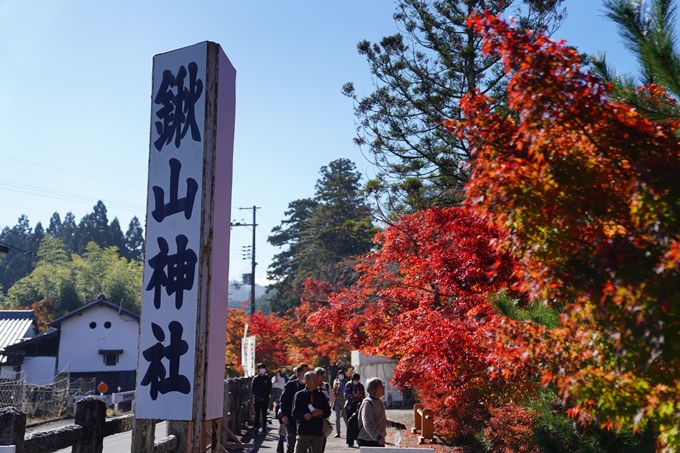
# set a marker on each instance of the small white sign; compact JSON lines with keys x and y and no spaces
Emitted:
{"x":248,"y":356}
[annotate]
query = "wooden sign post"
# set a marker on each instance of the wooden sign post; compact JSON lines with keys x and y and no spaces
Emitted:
{"x":180,"y":367}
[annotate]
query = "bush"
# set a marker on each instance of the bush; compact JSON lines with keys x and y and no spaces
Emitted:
{"x":509,"y":430}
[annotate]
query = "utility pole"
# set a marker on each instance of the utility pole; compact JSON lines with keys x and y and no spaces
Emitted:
{"x":253,"y":263}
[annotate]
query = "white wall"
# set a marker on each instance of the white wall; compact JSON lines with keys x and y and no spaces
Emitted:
{"x":79,"y":344}
{"x":380,"y":367}
{"x":39,"y":370}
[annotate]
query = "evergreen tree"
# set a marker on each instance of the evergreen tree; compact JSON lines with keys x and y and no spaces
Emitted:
{"x":116,"y":238}
{"x":68,"y":230}
{"x":134,"y":240}
{"x":70,"y":281}
{"x":93,"y":227}
{"x":649,"y":32}
{"x":55,"y":226}
{"x":420,"y":76}
{"x":320,"y":235}
{"x":284,"y":266}
{"x":23,"y":243}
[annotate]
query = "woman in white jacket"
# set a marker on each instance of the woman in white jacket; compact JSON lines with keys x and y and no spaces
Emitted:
{"x":278,"y":382}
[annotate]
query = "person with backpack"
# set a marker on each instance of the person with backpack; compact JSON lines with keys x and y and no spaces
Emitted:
{"x":354,"y":394}
{"x":371,"y":416}
{"x":325,"y":388}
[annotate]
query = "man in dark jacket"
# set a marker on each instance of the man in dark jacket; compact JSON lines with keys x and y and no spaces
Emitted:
{"x":289,"y":390}
{"x":260,"y":388}
{"x":310,"y":408}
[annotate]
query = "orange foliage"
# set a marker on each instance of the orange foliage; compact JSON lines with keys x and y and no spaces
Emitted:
{"x":422,"y":298}
{"x":236,"y":321}
{"x":270,"y":342}
{"x":586,"y":190}
{"x":270,"y":333}
{"x":44,"y":312}
{"x":315,"y":343}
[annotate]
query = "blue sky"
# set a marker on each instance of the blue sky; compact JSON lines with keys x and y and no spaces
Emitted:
{"x":75,"y":91}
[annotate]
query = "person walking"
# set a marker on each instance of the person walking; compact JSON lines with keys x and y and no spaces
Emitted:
{"x":372,"y":418}
{"x":325,"y":388}
{"x":310,"y":407}
{"x":354,"y":394}
{"x":278,"y":381}
{"x":260,"y":388}
{"x":339,"y":403}
{"x":287,"y":396}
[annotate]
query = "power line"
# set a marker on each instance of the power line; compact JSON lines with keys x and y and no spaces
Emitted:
{"x":66,"y":196}
{"x":72,"y":172}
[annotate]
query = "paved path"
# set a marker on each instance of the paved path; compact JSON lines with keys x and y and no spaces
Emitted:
{"x":267,"y":443}
{"x":120,"y":443}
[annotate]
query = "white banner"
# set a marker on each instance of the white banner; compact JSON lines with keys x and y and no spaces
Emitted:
{"x":248,"y":356}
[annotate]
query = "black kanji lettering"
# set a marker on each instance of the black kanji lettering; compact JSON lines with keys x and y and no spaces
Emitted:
{"x":177,"y":113}
{"x":155,"y":373}
{"x":175,"y":204}
{"x":181,"y":271}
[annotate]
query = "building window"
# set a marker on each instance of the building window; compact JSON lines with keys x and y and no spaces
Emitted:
{"x":107,"y":325}
{"x":111,"y":359}
{"x":110,"y":356}
{"x":93,"y":325}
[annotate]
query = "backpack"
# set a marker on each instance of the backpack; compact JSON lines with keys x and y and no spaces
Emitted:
{"x":353,"y":427}
{"x":353,"y":424}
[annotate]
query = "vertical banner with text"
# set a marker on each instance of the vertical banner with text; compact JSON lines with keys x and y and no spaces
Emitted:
{"x":180,"y":369}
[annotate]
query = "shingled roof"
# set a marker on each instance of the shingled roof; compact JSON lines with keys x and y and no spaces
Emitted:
{"x":14,"y":325}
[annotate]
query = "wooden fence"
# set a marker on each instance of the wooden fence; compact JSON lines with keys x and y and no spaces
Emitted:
{"x":90,"y":427}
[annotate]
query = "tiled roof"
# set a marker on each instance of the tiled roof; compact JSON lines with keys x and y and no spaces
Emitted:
{"x":14,"y":324}
{"x":100,"y":302}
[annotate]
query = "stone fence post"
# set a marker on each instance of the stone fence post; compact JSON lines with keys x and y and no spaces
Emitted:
{"x":91,"y":415}
{"x":12,"y":428}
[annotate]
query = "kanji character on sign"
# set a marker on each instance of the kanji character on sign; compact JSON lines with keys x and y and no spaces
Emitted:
{"x":180,"y":274}
{"x":155,"y":373}
{"x":175,"y":204}
{"x":177,"y":113}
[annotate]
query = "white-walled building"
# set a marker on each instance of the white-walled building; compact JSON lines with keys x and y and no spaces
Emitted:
{"x":98,"y":340}
{"x":370,"y":366}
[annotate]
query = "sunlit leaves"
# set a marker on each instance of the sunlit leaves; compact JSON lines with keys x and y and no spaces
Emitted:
{"x":586,"y":189}
{"x":422,"y":298}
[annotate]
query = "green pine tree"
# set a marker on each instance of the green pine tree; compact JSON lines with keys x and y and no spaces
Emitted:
{"x":319,"y":235}
{"x":420,"y":75}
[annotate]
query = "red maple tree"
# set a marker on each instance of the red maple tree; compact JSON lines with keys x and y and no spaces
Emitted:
{"x":587,"y":191}
{"x":315,"y":343}
{"x":270,"y":340}
{"x":422,"y":298}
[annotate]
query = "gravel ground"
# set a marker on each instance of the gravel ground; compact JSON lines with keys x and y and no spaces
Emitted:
{"x":409,"y":439}
{"x":404,"y":416}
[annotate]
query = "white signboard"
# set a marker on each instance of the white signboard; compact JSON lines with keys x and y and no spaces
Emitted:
{"x":189,"y":198}
{"x":248,"y":356}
